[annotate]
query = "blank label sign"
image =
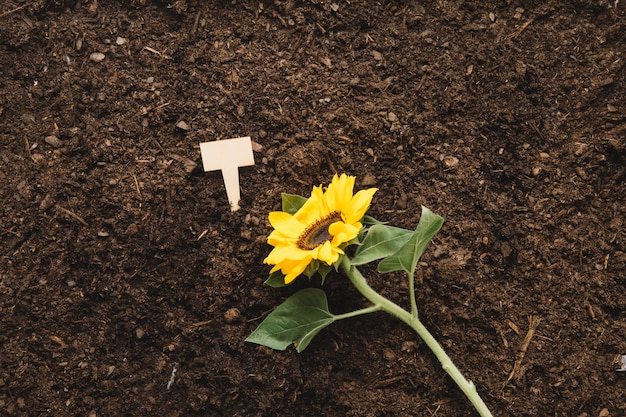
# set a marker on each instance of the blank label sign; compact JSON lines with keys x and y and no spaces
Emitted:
{"x":227,"y":156}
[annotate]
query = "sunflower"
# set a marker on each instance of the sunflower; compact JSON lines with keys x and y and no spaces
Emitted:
{"x":319,"y":231}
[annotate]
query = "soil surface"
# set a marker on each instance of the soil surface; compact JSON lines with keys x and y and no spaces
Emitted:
{"x":127,"y":287}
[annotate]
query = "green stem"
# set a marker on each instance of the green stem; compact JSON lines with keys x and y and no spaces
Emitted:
{"x":366,"y":310}
{"x":392,"y":308}
{"x":412,"y":295}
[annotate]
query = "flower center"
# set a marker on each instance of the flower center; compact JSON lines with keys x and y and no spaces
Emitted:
{"x":317,"y":233}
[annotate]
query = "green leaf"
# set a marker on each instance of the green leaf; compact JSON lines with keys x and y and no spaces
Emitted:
{"x":406,"y":258}
{"x":276,"y":280}
{"x":370,"y":221}
{"x":297,"y":321}
{"x":380,"y":242}
{"x":292,"y":203}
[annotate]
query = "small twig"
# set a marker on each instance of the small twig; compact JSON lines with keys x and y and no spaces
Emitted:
{"x":30,"y":155}
{"x":172,"y":376}
{"x":195,"y":23}
{"x":17,"y":9}
{"x":533,"y":322}
{"x":73,"y":215}
{"x":389,"y":381}
{"x":198,"y":324}
{"x":137,"y":186}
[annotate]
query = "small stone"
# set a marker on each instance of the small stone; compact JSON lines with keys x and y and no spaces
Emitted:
{"x":581,"y":173}
{"x":492,"y":16}
{"x":408,"y":346}
{"x":370,"y":152}
{"x":611,"y":108}
{"x":97,"y":56}
{"x":368,"y":180}
{"x":139,"y":333}
{"x":536,"y":171}
{"x":544,"y":155}
{"x":389,"y":355}
{"x":604,"y":413}
{"x":392,"y":117}
{"x":28,"y":118}
{"x":46,"y":203}
{"x":377,"y":55}
{"x":257,"y":147}
{"x":262,"y":133}
{"x":132,"y":229}
{"x":450,"y":161}
{"x":579,"y":148}
{"x":232,"y":315}
{"x":53,"y":141}
{"x":121,"y":41}
{"x":183,"y":126}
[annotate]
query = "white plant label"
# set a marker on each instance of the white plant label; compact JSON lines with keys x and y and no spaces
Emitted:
{"x":227,"y":156}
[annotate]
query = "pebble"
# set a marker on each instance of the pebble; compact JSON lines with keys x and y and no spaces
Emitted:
{"x":139,"y":333}
{"x":544,"y":155}
{"x":389,"y":355}
{"x":53,"y":141}
{"x":183,"y":125}
{"x":368,"y":180}
{"x":232,"y":315}
{"x":257,"y":147}
{"x":408,"y":346}
{"x":121,"y":41}
{"x":450,"y":161}
{"x":97,"y":56}
{"x":46,"y":203}
{"x":392,"y":117}
{"x":579,"y":148}
{"x":536,"y":171}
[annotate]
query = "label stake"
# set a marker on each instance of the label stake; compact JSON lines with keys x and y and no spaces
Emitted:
{"x":227,"y":156}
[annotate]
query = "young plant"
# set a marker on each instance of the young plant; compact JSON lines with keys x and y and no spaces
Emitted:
{"x":310,"y":236}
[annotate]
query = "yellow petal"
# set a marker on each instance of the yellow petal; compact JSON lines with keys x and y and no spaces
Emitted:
{"x":281,"y":253}
{"x":326,"y":253}
{"x":343,"y":232}
{"x":339,"y":192}
{"x":359,"y":205}
{"x":313,"y":209}
{"x":293,"y":269}
{"x":286,"y":224}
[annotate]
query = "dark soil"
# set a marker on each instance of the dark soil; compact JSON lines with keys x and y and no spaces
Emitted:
{"x":120,"y":263}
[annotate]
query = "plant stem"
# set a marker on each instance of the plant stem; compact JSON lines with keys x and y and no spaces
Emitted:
{"x":366,"y":310}
{"x":392,"y":308}
{"x":412,"y":295}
